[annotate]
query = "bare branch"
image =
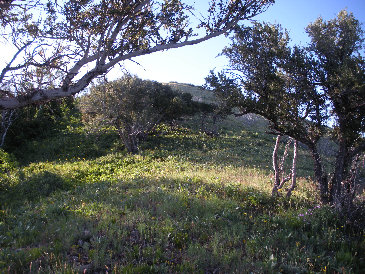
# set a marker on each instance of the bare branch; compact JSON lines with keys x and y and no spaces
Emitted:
{"x":8,"y":66}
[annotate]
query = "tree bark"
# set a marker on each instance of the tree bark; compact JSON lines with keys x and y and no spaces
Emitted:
{"x":341,"y":170}
{"x":279,"y":177}
{"x":129,"y":140}
{"x":293,"y":170}
{"x":132,"y":144}
{"x":276,"y":167}
{"x":284,"y":178}
{"x":7,"y":119}
{"x":319,"y":174}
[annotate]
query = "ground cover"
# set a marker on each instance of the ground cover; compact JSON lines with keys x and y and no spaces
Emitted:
{"x":187,"y":203}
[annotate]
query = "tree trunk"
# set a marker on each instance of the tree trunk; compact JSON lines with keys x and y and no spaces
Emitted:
{"x":7,"y":118}
{"x":280,"y":178}
{"x":276,"y":167}
{"x":133,"y":144}
{"x":293,"y":170}
{"x":284,"y":178}
{"x":130,"y":140}
{"x":320,"y":176}
{"x":339,"y":176}
{"x":347,"y":192}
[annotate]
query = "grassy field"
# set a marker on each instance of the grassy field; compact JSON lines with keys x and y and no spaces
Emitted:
{"x":187,"y":203}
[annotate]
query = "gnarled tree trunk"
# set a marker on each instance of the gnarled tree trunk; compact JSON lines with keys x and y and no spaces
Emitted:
{"x":293,"y":170}
{"x":319,"y":174}
{"x":129,"y":139}
{"x":280,"y":178}
{"x":275,"y":163}
{"x":340,"y":173}
{"x":7,"y":118}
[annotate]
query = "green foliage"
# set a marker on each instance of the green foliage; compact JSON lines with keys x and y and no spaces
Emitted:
{"x":7,"y":162}
{"x":301,"y":91}
{"x":38,"y":122}
{"x":134,"y":107}
{"x":8,"y":166}
{"x":186,"y":203}
{"x":338,"y":44}
{"x":268,"y":81}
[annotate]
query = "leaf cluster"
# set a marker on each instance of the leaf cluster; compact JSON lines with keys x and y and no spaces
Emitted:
{"x":338,"y":47}
{"x":299,"y":90}
{"x":305,"y":93}
{"x":134,"y":106}
{"x":60,"y":47}
{"x":41,"y":121}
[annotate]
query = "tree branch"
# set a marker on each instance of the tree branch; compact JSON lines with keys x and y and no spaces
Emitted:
{"x":108,"y":35}
{"x":7,"y":68}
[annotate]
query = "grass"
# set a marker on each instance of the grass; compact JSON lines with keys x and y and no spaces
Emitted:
{"x":188,"y":203}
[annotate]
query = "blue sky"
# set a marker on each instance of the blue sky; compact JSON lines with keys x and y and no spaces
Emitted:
{"x":192,"y":64}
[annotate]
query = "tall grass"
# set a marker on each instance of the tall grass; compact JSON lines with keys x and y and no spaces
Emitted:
{"x":187,"y":203}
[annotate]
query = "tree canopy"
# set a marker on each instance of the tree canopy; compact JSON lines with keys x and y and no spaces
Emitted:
{"x":302,"y":91}
{"x":134,"y":107}
{"x":59,"y":47}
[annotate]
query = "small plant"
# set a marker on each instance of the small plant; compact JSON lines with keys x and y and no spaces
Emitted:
{"x":7,"y":162}
{"x":8,"y":165}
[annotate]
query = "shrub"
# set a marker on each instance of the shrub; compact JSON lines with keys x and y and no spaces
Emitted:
{"x":37,"y":122}
{"x":134,"y":107}
{"x":7,"y":162}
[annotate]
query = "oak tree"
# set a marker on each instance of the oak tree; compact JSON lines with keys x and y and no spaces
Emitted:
{"x":134,"y":107}
{"x":304,"y":92}
{"x":56,"y":48}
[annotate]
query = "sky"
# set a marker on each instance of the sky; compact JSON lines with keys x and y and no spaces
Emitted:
{"x":191,"y":64}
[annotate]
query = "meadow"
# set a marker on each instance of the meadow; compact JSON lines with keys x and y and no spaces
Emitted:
{"x":76,"y":202}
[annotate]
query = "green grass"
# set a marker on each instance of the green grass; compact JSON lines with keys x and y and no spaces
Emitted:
{"x":187,"y":203}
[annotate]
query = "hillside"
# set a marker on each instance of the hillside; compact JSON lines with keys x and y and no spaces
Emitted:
{"x":249,"y":122}
{"x":76,"y":202}
{"x":198,"y":93}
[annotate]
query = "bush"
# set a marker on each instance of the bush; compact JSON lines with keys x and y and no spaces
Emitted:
{"x":7,"y":162}
{"x":7,"y":165}
{"x":40,"y":121}
{"x":134,"y":107}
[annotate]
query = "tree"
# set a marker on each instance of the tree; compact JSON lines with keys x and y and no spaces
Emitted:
{"x":59,"y":47}
{"x":280,"y":178}
{"x":302,"y":91}
{"x":37,"y":121}
{"x":4,"y":7}
{"x":134,"y":107}
{"x":7,"y":119}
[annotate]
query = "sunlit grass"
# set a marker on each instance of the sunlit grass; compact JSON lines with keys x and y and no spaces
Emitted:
{"x":187,"y":203}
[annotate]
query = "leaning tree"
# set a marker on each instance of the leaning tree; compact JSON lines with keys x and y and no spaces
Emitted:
{"x":56,"y":48}
{"x":304,"y":92}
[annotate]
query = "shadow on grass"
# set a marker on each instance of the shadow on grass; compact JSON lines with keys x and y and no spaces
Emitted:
{"x":62,"y":147}
{"x":168,"y":225}
{"x":32,"y":189}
